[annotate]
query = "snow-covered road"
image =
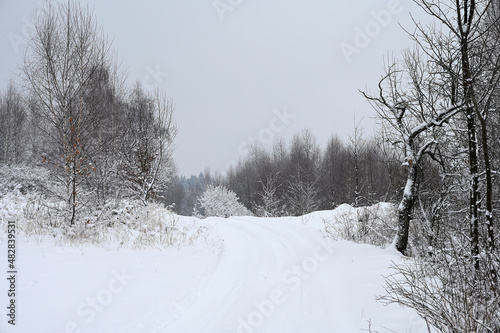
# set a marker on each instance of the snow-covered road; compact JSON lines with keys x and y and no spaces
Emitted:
{"x":273,"y":275}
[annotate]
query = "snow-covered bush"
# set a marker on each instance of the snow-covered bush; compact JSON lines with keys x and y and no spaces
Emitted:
{"x":23,"y":179}
{"x":447,"y":291}
{"x":375,"y":225}
{"x":25,"y":197}
{"x":219,"y":201}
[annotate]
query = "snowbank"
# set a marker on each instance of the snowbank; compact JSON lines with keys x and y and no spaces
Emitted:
{"x":143,"y":269}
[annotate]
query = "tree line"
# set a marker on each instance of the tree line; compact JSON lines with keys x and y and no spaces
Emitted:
{"x":298,"y":177}
{"x":72,"y":115}
{"x":436,"y":152}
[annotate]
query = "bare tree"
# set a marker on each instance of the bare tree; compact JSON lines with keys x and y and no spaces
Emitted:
{"x":303,"y":167}
{"x":271,"y":205}
{"x":106,"y":104}
{"x":334,"y":175}
{"x":467,"y":52}
{"x":147,"y":145}
{"x":13,"y":127}
{"x":66,"y":52}
{"x":412,"y":115}
{"x":302,"y":196}
{"x":454,"y":286}
{"x":356,"y":152}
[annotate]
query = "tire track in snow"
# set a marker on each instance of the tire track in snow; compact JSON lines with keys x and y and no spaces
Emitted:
{"x":255,"y":257}
{"x":259,"y":255}
{"x":232,"y":277}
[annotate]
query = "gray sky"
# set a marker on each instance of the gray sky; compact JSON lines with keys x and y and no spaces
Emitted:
{"x":241,"y":71}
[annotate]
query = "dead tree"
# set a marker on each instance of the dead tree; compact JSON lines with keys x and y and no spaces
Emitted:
{"x":411,"y":110}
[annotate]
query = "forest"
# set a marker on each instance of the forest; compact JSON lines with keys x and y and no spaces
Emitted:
{"x":96,"y":142}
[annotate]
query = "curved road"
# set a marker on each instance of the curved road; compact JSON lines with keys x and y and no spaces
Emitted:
{"x":281,"y":275}
{"x":276,"y":275}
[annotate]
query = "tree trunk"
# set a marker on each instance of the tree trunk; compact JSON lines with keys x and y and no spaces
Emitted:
{"x":489,"y":181}
{"x":73,"y":194}
{"x":490,"y":242}
{"x":472,"y":148}
{"x":405,"y":209}
{"x":474,"y":188}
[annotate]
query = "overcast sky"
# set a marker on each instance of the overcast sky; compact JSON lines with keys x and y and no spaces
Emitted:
{"x":240,"y":71}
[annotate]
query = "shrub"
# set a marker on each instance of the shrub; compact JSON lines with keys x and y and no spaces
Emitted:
{"x":219,"y":201}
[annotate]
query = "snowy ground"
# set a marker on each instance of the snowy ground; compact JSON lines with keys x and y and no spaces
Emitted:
{"x":270,"y":275}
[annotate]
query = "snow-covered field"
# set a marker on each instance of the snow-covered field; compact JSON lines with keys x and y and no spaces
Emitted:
{"x":247,"y":275}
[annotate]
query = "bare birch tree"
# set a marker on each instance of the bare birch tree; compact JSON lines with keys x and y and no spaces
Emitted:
{"x":66,"y":53}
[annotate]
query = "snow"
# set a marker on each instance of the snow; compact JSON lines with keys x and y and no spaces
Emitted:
{"x":264,"y":275}
{"x":219,"y":201}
